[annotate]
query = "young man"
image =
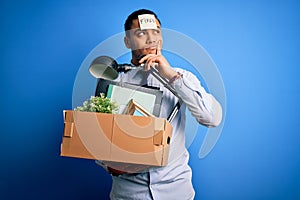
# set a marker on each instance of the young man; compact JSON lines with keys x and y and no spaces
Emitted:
{"x":174,"y":180}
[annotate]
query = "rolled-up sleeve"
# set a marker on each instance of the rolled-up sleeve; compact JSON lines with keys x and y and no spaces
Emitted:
{"x":202,"y":105}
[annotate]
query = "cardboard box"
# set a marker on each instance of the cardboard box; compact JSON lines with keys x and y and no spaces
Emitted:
{"x":116,"y":138}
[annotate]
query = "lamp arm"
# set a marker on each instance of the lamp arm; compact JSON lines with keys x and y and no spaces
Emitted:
{"x":165,"y":82}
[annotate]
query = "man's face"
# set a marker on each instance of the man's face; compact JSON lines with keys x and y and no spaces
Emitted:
{"x":143,"y":42}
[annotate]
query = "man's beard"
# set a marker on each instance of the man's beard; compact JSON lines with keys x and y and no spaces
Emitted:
{"x":141,"y":52}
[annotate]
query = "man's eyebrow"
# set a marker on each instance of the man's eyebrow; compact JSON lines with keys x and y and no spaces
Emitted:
{"x":136,"y":30}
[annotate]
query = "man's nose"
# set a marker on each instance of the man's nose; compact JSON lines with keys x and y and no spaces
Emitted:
{"x":151,"y":38}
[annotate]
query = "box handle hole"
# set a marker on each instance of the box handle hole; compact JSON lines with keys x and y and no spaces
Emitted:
{"x":168,"y":140}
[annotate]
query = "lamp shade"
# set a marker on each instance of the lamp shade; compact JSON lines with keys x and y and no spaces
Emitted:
{"x":104,"y":67}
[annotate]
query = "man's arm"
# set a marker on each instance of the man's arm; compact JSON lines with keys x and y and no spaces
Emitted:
{"x":203,"y":106}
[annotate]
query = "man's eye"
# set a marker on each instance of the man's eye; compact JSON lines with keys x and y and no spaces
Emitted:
{"x":140,"y":34}
{"x":157,"y":31}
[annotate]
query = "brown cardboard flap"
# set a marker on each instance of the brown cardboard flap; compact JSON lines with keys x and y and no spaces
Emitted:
{"x":68,"y":129}
{"x":68,"y":116}
{"x":166,"y":142}
{"x":158,"y":138}
{"x":159,"y":124}
{"x":69,"y":123}
{"x":168,"y":134}
{"x":163,"y":133}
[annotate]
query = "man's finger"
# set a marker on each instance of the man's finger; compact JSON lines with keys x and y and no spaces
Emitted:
{"x":158,"y":52}
{"x":145,"y":58}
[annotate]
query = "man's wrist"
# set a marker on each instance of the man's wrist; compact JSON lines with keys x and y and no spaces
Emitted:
{"x":175,"y":77}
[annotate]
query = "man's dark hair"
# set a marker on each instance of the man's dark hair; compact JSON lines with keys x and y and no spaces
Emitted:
{"x":134,"y":15}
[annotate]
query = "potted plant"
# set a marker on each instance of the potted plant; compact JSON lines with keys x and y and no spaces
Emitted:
{"x":100,"y":104}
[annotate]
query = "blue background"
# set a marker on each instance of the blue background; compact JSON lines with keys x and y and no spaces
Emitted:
{"x":255,"y":45}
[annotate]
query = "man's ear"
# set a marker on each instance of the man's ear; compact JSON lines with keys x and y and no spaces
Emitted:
{"x":127,"y":42}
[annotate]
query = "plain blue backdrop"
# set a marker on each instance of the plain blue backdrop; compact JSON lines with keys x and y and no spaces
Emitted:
{"x":255,"y":45}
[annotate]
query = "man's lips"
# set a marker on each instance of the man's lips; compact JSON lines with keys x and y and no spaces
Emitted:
{"x":151,"y":47}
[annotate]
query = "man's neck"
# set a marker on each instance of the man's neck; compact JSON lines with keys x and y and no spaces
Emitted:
{"x":135,"y":61}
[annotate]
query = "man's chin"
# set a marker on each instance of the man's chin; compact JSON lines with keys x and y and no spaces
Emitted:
{"x":141,"y":54}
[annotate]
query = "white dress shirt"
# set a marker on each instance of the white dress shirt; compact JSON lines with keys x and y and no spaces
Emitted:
{"x":173,"y":181}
